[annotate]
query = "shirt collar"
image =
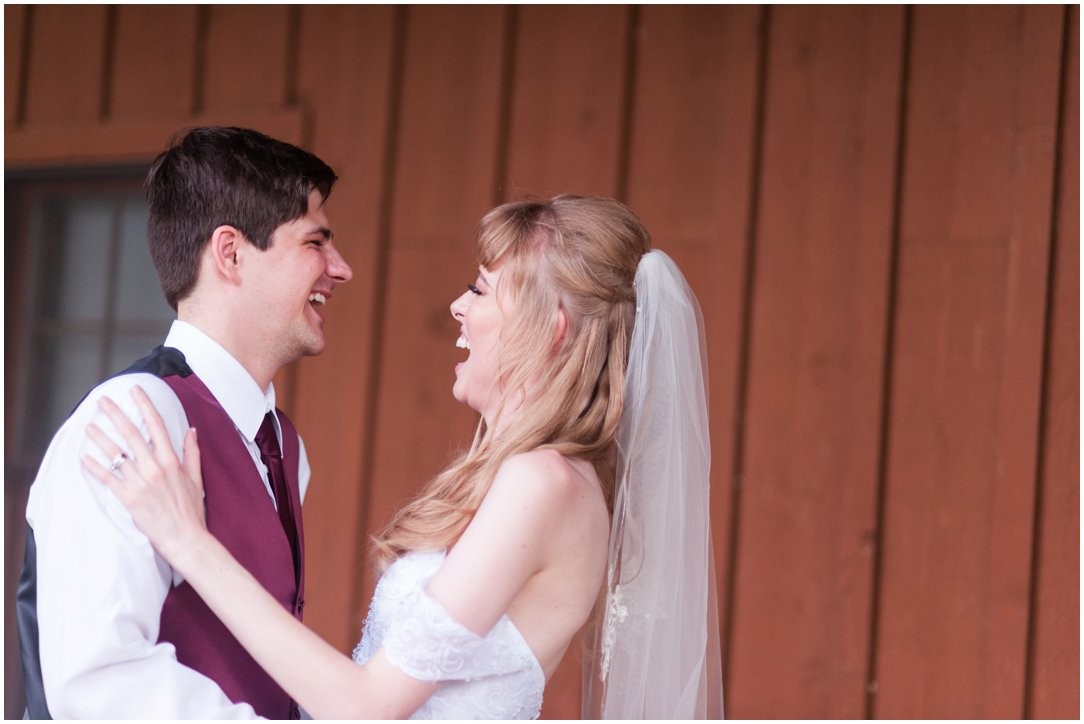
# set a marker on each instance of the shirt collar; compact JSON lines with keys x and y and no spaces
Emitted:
{"x":225,"y":377}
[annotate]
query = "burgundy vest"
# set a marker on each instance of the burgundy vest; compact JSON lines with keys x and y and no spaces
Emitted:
{"x":240,"y":514}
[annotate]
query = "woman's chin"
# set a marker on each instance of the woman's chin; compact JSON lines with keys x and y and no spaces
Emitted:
{"x":458,"y":395}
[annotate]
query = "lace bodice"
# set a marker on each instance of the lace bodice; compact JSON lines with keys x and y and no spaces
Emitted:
{"x":491,"y":677}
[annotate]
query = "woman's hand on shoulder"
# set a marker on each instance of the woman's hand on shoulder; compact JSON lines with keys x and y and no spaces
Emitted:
{"x":163,"y":495}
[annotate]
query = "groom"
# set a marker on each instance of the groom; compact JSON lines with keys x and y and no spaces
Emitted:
{"x":243,"y":249}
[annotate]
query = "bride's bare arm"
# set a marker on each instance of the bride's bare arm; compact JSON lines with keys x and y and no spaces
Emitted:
{"x":165,"y":498}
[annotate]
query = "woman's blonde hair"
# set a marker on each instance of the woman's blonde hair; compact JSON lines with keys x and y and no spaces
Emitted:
{"x":574,"y":254}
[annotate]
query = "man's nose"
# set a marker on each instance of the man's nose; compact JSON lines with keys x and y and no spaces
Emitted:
{"x":337,"y":268}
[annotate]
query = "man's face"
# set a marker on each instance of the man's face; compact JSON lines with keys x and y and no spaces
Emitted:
{"x":293,"y":280}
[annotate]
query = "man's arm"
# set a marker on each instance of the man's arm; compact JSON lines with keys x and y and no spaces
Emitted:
{"x":101,"y":586}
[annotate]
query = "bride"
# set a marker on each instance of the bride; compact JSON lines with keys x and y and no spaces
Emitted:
{"x":588,"y":474}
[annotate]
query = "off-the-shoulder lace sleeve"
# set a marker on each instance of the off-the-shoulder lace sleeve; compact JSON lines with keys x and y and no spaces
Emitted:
{"x":495,"y":676}
{"x":421,"y":638}
{"x":430,"y":645}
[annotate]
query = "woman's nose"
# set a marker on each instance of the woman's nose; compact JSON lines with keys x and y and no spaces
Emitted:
{"x":458,"y":307}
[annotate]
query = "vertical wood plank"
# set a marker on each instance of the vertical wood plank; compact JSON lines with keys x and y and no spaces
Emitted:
{"x":446,"y":153}
{"x":154,"y":54}
{"x":690,"y":169}
{"x":246,"y":57}
{"x":16,"y":18}
{"x":1055,"y":666}
{"x":566,"y":115}
{"x":567,"y":100}
{"x":443,"y":183}
{"x":965,"y":392}
{"x":808,"y":503}
{"x":344,"y":74}
{"x":67,"y":56}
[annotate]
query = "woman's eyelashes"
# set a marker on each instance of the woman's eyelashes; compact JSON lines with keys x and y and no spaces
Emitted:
{"x":473,"y":289}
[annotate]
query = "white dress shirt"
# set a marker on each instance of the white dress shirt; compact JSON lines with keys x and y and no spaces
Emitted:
{"x":100,"y":585}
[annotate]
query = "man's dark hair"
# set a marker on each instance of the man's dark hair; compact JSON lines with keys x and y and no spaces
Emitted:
{"x":214,"y":176}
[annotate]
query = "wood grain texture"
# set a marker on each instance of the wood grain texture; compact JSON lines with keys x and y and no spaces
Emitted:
{"x":967,"y":372}
{"x":820,"y":293}
{"x":66,"y":60}
{"x":567,"y":100}
{"x":130,"y":141}
{"x":246,"y":52}
{"x":154,"y":63}
{"x":16,"y":20}
{"x":1055,"y":665}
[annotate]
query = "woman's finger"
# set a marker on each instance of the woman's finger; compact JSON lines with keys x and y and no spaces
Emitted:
{"x":160,"y":442}
{"x":109,"y":449}
{"x":95,"y":468}
{"x":126,"y":428}
{"x":192,"y":459}
{"x":105,"y":443}
{"x":108,"y":478}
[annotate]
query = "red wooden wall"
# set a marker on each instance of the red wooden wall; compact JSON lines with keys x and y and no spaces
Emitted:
{"x":877,"y":206}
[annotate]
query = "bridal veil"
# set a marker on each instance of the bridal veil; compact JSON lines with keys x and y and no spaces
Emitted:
{"x":656,"y":653}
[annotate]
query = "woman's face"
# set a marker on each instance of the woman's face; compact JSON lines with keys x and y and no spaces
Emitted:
{"x":481,"y":319}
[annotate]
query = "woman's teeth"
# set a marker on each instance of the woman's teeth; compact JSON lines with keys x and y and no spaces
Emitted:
{"x":462,"y":343}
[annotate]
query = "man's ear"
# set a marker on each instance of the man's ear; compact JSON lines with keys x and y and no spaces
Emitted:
{"x":224,"y":247}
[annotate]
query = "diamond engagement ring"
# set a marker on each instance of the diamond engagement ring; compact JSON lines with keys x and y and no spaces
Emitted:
{"x":120,"y":459}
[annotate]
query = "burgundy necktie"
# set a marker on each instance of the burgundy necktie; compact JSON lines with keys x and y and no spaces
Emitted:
{"x":268,"y":443}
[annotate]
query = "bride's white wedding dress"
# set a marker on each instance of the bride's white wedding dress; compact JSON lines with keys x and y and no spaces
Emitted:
{"x":491,"y":677}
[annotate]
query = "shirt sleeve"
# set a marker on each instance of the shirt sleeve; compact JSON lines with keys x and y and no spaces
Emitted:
{"x":101,"y":586}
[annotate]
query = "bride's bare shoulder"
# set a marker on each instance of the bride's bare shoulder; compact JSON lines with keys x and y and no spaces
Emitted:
{"x":558,"y":497}
{"x":550,"y":476}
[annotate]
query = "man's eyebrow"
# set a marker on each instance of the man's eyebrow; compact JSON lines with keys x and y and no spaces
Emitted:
{"x":322,"y":231}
